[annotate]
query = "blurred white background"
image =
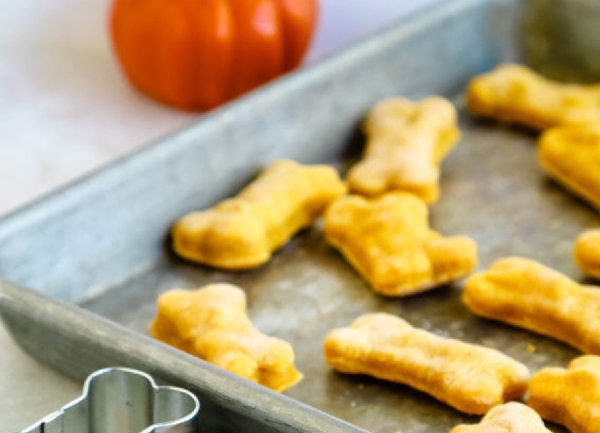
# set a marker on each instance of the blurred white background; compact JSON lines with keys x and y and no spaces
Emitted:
{"x":65,"y":109}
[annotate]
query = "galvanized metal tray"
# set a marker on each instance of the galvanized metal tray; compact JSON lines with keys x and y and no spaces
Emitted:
{"x":81,"y":269}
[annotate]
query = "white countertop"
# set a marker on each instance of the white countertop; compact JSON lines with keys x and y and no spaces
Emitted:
{"x":65,"y":110}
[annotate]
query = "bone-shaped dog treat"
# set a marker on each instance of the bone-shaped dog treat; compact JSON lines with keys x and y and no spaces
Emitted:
{"x":242,"y":232}
{"x":406,"y":143}
{"x":510,"y":417}
{"x":388,"y":240}
{"x":527,"y":294}
{"x":569,"y":397}
{"x":572,"y":156}
{"x":468,"y":377}
{"x":212,"y":323}
{"x":513,"y":93}
{"x":587,"y":252}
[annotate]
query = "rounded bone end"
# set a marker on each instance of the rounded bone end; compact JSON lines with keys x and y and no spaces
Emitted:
{"x":223,"y":239}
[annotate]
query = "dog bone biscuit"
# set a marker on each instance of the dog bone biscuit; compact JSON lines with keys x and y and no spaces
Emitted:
{"x":587,"y":252}
{"x":569,"y":397}
{"x":212,"y":323}
{"x":527,"y":294}
{"x":406,"y":143}
{"x":510,"y":417}
{"x":388,"y":240}
{"x":468,"y":377}
{"x":571,"y":155}
{"x":514,"y":93}
{"x":242,"y":232}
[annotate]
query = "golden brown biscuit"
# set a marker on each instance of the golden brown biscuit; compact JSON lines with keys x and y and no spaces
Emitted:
{"x":587,"y":252}
{"x":388,"y":240}
{"x":406,"y":142}
{"x":470,"y":378}
{"x":527,"y":294}
{"x":569,"y":397}
{"x":510,"y":417}
{"x":514,"y":93}
{"x":212,"y":323}
{"x":572,"y":156}
{"x":242,"y":232}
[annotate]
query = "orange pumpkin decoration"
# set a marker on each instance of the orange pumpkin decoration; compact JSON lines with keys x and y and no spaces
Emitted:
{"x":197,"y":54}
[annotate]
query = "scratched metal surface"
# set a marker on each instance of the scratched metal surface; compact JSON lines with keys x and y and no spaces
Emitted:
{"x":101,"y":244}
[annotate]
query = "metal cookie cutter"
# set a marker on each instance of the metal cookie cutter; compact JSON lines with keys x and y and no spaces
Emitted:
{"x":122,"y":400}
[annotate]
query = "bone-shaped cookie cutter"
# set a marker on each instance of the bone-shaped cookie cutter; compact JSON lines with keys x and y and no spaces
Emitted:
{"x":122,"y":400}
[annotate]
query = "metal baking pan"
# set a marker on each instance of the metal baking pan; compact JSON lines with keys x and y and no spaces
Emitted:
{"x":81,"y":269}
